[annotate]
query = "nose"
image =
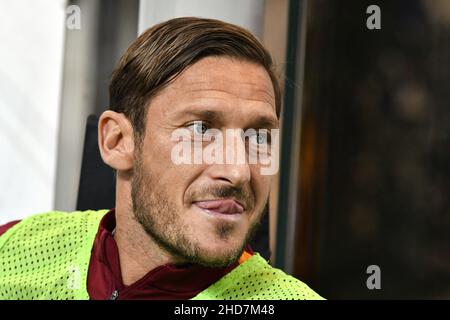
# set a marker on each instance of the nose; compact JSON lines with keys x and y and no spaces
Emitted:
{"x":235,"y":168}
{"x":237,"y":175}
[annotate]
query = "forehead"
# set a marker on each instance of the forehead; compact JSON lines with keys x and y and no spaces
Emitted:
{"x":223,"y":81}
{"x":246,"y":79}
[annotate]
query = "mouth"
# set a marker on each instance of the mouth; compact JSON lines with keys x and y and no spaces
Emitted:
{"x":221,"y":207}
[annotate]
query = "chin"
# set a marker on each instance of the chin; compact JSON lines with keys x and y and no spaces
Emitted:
{"x":220,"y":253}
{"x":216,"y":261}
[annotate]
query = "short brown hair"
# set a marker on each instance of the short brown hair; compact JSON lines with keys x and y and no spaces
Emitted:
{"x":164,"y":51}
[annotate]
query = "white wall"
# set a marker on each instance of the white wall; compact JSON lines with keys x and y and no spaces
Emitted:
{"x":31,"y":51}
{"x":245,"y":13}
{"x":78,"y":90}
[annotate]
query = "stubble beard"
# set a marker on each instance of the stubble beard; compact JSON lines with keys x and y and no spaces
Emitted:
{"x":158,"y":217}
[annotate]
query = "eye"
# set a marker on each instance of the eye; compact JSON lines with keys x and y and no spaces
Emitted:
{"x":260,"y":138}
{"x":198,"y":127}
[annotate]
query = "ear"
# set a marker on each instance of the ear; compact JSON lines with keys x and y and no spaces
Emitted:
{"x":116,"y":140}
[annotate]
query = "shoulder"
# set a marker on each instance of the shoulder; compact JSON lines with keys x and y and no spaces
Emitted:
{"x":257,"y":279}
{"x":52,"y":225}
{"x":54,"y":217}
{"x":44,"y":255}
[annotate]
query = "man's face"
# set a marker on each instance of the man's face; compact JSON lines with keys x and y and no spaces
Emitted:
{"x":203,"y":213}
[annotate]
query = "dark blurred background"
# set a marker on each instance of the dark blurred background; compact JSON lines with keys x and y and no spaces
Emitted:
{"x":375,"y":150}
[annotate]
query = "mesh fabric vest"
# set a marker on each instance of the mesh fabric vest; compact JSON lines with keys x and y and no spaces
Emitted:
{"x":47,"y":256}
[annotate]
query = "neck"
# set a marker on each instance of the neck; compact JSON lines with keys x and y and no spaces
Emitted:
{"x":138,"y":253}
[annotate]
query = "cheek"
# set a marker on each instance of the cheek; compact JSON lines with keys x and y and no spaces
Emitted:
{"x":261,"y":186}
{"x":174,"y":178}
{"x":157,"y":153}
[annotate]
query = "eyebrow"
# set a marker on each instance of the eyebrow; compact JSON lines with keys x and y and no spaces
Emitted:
{"x":266,"y":122}
{"x":208,"y":115}
{"x":214,"y":116}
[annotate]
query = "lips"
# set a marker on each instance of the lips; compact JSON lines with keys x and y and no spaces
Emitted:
{"x":223,"y":206}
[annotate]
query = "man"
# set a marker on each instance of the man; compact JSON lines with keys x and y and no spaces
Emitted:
{"x":179,"y":230}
